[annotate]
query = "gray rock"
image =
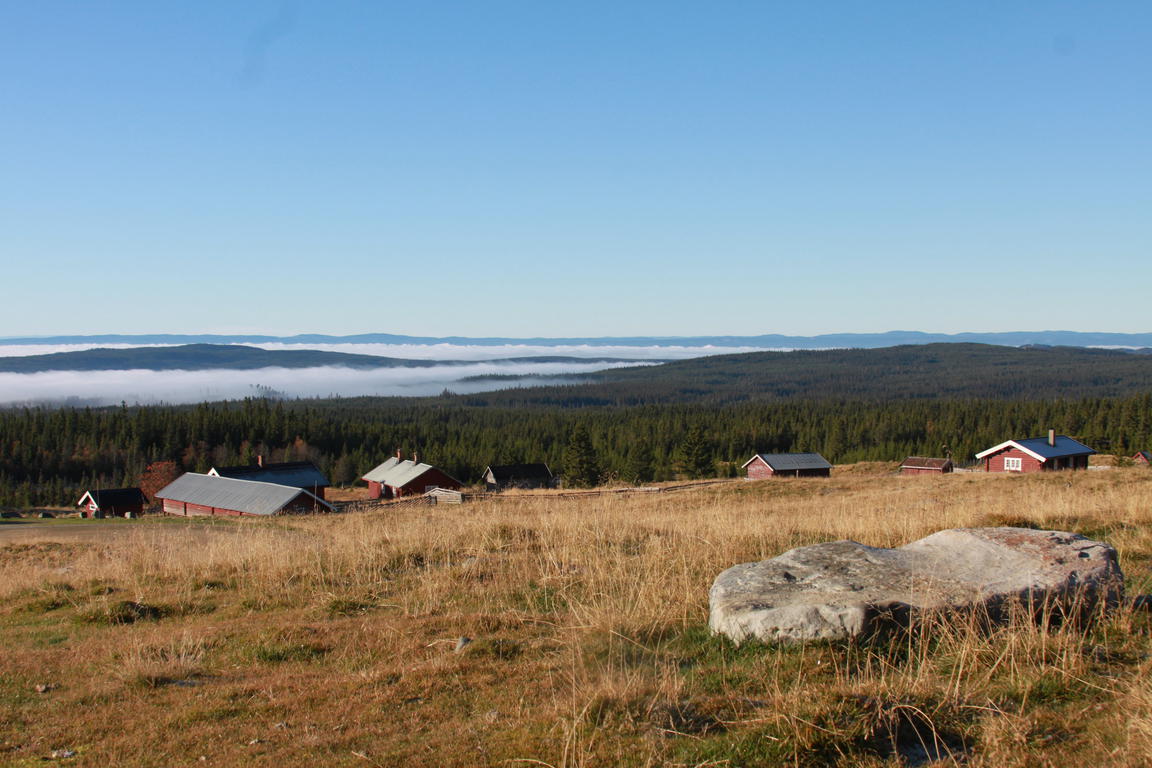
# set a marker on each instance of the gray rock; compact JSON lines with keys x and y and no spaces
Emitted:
{"x":842,"y":589}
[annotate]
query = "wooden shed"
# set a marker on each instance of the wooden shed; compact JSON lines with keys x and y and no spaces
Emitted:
{"x":295,"y":474}
{"x":921,"y":465}
{"x":764,"y":465}
{"x":1142,"y":457}
{"x":398,"y":477}
{"x":500,"y":476}
{"x":1036,"y":454}
{"x":112,"y":502}
{"x":196,"y":494}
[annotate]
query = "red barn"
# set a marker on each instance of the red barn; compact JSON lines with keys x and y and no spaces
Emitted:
{"x":196,"y":494}
{"x":764,"y":465}
{"x":112,"y":502}
{"x":919,"y":465}
{"x":1036,"y":454}
{"x":398,"y":477}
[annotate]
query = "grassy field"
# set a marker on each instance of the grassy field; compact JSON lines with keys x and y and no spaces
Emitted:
{"x":337,"y":641}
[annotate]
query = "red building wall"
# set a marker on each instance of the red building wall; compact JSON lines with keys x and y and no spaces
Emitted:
{"x":759,"y":469}
{"x":419,"y":484}
{"x":995,"y":462}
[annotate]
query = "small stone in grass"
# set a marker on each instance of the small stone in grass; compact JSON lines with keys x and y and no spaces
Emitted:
{"x":461,"y":642}
{"x":62,"y":754}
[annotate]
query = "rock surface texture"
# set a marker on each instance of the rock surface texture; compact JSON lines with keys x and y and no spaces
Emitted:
{"x":842,"y":589}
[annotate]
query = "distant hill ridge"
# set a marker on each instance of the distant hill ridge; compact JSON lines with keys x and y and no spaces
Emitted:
{"x":771,"y":340}
{"x":199,"y":357}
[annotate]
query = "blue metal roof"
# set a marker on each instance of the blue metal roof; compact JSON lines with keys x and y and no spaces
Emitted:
{"x":1065,"y":446}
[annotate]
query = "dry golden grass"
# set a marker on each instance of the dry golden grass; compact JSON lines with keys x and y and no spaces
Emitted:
{"x":333,"y":640}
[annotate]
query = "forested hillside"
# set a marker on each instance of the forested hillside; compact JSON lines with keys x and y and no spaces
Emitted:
{"x":47,"y":456}
{"x":930,"y":371}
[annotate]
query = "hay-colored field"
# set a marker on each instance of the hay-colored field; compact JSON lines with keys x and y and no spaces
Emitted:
{"x":333,"y":641}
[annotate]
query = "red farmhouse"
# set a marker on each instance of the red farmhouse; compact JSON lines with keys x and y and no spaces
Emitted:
{"x":1036,"y":454}
{"x":764,"y":465}
{"x":112,"y":502}
{"x":398,"y":477}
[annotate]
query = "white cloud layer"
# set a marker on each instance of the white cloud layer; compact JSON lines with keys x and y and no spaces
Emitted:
{"x":138,"y":386}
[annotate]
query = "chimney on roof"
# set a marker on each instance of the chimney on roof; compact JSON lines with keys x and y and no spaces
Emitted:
{"x":259,"y":460}
{"x":415,"y":458}
{"x":1052,"y":437}
{"x":399,"y":455}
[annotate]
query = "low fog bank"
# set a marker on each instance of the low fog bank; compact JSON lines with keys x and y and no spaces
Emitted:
{"x":148,"y":387}
{"x":431,"y":351}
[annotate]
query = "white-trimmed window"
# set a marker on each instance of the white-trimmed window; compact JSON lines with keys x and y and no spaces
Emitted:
{"x":1013,"y":464}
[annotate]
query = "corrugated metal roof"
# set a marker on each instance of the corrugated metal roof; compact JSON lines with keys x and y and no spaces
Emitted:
{"x":298,"y":474}
{"x":1065,"y":446}
{"x":791,"y":461}
{"x":378,"y":474}
{"x":405,"y":472}
{"x":228,"y":493}
{"x":1038,"y":446}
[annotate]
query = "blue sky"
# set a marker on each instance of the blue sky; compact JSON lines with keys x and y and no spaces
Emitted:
{"x":592,"y":168}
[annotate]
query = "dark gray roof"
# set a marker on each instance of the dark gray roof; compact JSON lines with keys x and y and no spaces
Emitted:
{"x":116,"y":497}
{"x":297,"y":474}
{"x":786,"y":462}
{"x":922,"y":462}
{"x":227,"y":493}
{"x":508,"y":473}
{"x":1146,"y":454}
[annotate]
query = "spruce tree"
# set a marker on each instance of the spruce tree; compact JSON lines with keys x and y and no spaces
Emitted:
{"x":581,"y":469}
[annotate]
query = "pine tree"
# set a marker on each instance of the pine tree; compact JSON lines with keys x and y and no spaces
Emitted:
{"x":581,"y":469}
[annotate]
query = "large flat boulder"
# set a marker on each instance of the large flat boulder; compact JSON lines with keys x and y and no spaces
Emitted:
{"x":842,"y":589}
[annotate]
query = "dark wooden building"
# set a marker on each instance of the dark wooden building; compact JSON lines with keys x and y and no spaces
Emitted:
{"x":112,"y":502}
{"x":398,"y":477}
{"x":1036,"y":454}
{"x":294,"y":474}
{"x":764,"y":465}
{"x":500,"y":476}
{"x":920,"y":465}
{"x":196,"y":494}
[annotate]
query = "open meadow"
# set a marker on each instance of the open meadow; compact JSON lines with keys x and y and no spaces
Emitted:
{"x":337,"y":641}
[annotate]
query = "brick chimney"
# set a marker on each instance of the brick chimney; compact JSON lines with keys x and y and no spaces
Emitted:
{"x":415,"y":458}
{"x":259,"y":460}
{"x":1052,"y":437}
{"x":399,"y":455}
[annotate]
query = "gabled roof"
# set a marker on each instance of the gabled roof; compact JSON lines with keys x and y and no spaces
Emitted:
{"x":298,"y":474}
{"x":508,"y":473}
{"x":1147,"y":455}
{"x":397,"y":473}
{"x":114,"y":497}
{"x":921,"y":462}
{"x":378,"y":474}
{"x":786,"y":462}
{"x":1039,"y":449}
{"x":240,"y":495}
